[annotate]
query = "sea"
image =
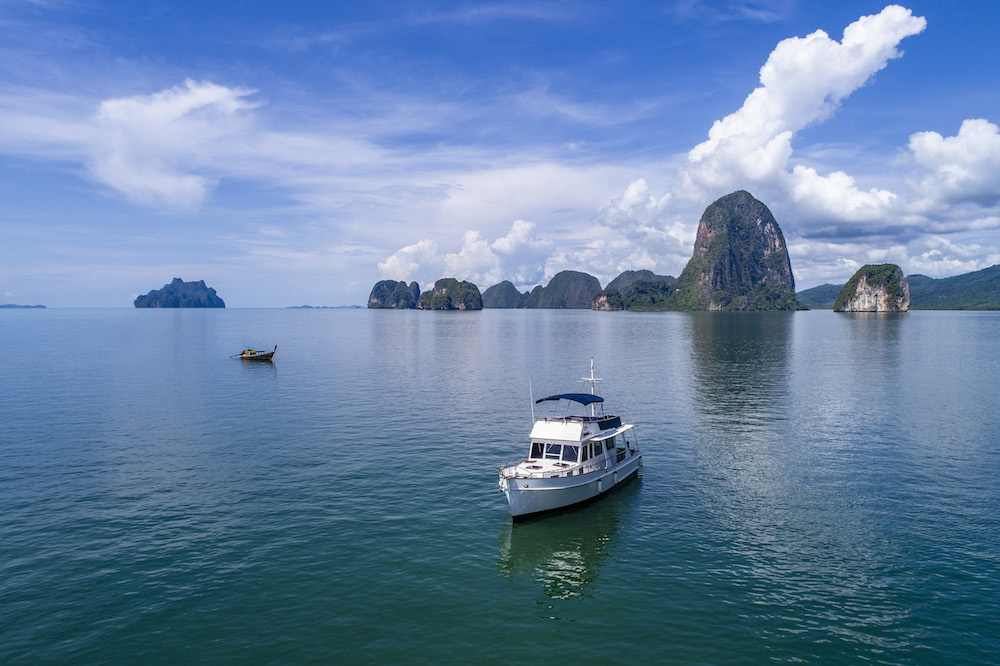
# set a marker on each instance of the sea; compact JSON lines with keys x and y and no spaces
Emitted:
{"x":816,"y":488}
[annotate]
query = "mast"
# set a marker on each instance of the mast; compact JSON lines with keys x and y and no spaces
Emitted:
{"x":593,"y":385}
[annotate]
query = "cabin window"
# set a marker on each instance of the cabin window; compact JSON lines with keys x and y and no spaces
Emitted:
{"x":570,"y":453}
{"x":609,"y":444}
{"x":536,"y":450}
{"x":553,"y":451}
{"x":585,"y":453}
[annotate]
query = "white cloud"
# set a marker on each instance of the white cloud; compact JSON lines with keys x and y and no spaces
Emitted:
{"x":639,"y":234}
{"x":836,"y":196}
{"x":803,"y":82}
{"x":636,"y":206}
{"x":632,"y":232}
{"x":147,"y":145}
{"x":411,"y":262}
{"x":475,"y":261}
{"x":520,"y":256}
{"x":965,"y":168}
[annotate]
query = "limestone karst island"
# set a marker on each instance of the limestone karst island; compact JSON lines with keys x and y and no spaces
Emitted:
{"x":180,"y":294}
{"x":874,"y":288}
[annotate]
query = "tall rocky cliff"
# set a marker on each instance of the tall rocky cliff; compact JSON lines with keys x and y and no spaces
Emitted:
{"x":740,"y":261}
{"x":180,"y":294}
{"x":393,"y":295}
{"x":875,"y":288}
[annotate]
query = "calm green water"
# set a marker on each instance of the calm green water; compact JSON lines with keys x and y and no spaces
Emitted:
{"x":817,"y":487}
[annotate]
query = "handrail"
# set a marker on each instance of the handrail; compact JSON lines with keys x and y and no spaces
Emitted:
{"x":510,"y":470}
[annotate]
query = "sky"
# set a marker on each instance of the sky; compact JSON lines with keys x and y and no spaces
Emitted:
{"x":294,"y":153}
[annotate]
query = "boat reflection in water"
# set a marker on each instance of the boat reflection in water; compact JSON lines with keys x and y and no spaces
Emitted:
{"x":565,"y":551}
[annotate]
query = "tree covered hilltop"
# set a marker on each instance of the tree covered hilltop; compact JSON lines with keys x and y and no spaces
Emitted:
{"x":874,"y":288}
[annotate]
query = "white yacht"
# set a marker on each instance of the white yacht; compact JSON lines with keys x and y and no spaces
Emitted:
{"x":572,"y":458}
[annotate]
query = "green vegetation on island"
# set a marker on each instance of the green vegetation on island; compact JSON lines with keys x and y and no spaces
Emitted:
{"x":740,"y":262}
{"x":389,"y":294}
{"x":450,"y":294}
{"x":634,"y":290}
{"x":504,"y":295}
{"x":874,"y":288}
{"x":566,"y":290}
{"x":624,"y":281}
{"x":180,"y":294}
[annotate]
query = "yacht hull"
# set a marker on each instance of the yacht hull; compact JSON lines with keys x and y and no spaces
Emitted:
{"x":532,"y":496}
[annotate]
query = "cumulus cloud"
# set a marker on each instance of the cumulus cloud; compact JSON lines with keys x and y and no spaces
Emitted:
{"x":636,"y":206}
{"x":147,"y":145}
{"x":836,"y":196}
{"x":938,"y":256}
{"x":803,"y":82}
{"x":643,"y":234}
{"x":411,"y":261}
{"x":519,"y":256}
{"x":964,"y":168}
{"x":634,"y":231}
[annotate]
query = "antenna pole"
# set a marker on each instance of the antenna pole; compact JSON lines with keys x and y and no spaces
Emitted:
{"x":593,"y":384}
{"x":531,"y":398}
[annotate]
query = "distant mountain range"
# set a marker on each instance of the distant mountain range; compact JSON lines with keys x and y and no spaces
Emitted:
{"x":979,"y":290}
{"x":11,"y":305}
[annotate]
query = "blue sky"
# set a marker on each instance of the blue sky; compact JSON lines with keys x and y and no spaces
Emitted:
{"x":296,"y":153}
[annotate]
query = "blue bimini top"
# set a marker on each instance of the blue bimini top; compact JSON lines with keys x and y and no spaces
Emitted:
{"x":582,"y":398}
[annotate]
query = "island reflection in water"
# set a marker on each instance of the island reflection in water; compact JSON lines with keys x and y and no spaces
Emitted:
{"x":566,"y":550}
{"x":741,"y":367}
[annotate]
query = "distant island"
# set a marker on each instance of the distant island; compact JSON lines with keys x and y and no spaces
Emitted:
{"x":447,"y":294}
{"x":392,"y":295}
{"x":566,"y":290}
{"x":635,"y":283}
{"x":874,"y":288}
{"x":11,"y":305}
{"x":180,"y":294}
{"x":450,"y":294}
